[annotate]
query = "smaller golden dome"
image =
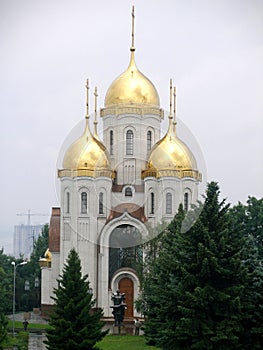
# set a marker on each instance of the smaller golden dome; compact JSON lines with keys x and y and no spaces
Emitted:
{"x":132,"y":87}
{"x":46,"y":261}
{"x":171,"y":157}
{"x":87,"y":153}
{"x":48,"y":255}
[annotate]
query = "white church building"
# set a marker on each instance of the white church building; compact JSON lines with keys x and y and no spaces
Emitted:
{"x":113,"y":190}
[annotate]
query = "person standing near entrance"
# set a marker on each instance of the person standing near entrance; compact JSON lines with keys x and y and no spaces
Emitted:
{"x":137,"y":325}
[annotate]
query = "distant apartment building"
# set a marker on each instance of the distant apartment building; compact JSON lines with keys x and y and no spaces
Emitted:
{"x":24,"y":238}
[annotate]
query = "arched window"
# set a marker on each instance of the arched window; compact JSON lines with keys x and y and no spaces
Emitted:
{"x":101,"y":203}
{"x":128,"y":192}
{"x":111,"y":142}
{"x":186,"y":201}
{"x":149,"y":140}
{"x":67,"y":203}
{"x":84,"y":203}
{"x":152,"y":203}
{"x":129,"y":142}
{"x":169,"y":203}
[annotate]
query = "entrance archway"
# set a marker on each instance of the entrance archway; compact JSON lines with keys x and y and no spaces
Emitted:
{"x":125,"y":249}
{"x":126,"y":286}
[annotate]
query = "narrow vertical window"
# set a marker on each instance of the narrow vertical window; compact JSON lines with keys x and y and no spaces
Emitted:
{"x":152,"y":203}
{"x":149,"y":140}
{"x":169,"y":203}
{"x":67,"y":203}
{"x":186,"y":201}
{"x":129,"y":142}
{"x":101,"y":203}
{"x":111,"y":142}
{"x":84,"y":203}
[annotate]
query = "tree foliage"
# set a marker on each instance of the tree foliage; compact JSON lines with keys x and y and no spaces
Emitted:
{"x":74,"y":325}
{"x":202,"y":282}
{"x":6,"y":282}
{"x":250,"y":217}
{"x":30,"y":272}
{"x":3,"y":298}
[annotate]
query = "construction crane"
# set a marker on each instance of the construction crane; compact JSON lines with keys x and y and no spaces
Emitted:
{"x":29,"y":214}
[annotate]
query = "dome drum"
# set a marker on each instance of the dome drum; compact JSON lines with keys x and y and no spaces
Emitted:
{"x":85,"y":173}
{"x":180,"y":174}
{"x":130,"y":109}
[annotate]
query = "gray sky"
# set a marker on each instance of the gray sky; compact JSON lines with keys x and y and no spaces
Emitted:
{"x":213,"y":50}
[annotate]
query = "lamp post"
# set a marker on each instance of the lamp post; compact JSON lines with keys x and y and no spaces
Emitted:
{"x":37,"y":290}
{"x":14,"y":291}
{"x":27,"y":287}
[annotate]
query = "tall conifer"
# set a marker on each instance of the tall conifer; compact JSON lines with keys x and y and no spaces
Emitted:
{"x":74,"y":325}
{"x":202,"y":279}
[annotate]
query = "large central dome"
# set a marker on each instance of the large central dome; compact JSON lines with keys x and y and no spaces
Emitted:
{"x":132,"y":87}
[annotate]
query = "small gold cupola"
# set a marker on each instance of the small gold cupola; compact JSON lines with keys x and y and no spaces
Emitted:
{"x":170,"y":156}
{"x":132,"y":87}
{"x":87,"y":156}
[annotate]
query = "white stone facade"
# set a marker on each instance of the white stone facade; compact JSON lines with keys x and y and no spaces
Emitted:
{"x":88,"y":226}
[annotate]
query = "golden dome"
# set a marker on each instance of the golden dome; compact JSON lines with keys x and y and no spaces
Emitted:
{"x":86,"y":157}
{"x":48,"y":255}
{"x":87,"y":153}
{"x":171,"y":157}
{"x":132,"y":87}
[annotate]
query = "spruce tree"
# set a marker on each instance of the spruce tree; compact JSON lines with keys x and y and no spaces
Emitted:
{"x":160,"y":261}
{"x":202,"y":278}
{"x":250,"y":218}
{"x":73,"y":323}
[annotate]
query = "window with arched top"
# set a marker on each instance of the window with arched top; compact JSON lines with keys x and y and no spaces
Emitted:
{"x":111,"y":142}
{"x":84,"y":203}
{"x":129,"y":142}
{"x":152,"y":204}
{"x":128,"y":192}
{"x":101,"y":203}
{"x":67,"y":202}
{"x":149,"y":140}
{"x":186,"y":201}
{"x":169,"y":203}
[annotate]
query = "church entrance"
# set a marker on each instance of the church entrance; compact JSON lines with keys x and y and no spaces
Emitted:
{"x":126,"y":286}
{"x":125,"y":249}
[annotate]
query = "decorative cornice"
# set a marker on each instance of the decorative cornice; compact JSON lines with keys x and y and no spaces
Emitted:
{"x":195,"y":174}
{"x":136,"y":109}
{"x":85,"y":173}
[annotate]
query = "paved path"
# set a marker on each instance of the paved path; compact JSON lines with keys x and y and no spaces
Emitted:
{"x":35,"y":342}
{"x":34,"y":318}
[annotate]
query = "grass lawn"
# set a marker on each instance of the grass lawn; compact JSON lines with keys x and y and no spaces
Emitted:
{"x":30,"y":325}
{"x":124,"y":342}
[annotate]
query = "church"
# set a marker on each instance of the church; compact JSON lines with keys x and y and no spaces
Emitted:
{"x":116,"y":189}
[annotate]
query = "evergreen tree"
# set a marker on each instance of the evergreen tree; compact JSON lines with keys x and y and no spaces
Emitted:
{"x":3,"y":319}
{"x":40,"y":246}
{"x":6,"y":282}
{"x":74,"y":325}
{"x":3,"y":328}
{"x":250,"y":217}
{"x":160,"y":260}
{"x":196,"y":284}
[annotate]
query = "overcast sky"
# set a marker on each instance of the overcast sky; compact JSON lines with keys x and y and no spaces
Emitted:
{"x":213,"y":50}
